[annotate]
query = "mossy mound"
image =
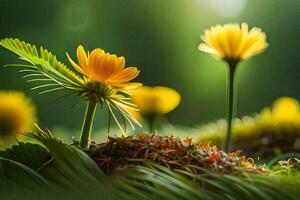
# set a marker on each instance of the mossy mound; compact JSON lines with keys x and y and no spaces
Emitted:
{"x":170,"y":151}
{"x":255,"y":137}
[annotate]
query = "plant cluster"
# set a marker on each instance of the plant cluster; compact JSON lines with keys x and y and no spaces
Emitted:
{"x":144,"y":166}
{"x":104,"y":80}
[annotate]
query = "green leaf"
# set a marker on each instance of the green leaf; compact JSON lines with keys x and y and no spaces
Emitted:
{"x":43,"y":65}
{"x":15,"y":176}
{"x":29,"y":154}
{"x":73,"y":175}
{"x":73,"y":169}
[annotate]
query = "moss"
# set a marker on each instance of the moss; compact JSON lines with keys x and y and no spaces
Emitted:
{"x":170,"y":151}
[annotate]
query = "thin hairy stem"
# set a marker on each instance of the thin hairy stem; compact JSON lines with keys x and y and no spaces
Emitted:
{"x":88,"y":123}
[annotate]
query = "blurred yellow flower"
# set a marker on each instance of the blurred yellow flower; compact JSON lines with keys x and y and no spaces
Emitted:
{"x":17,"y":114}
{"x":276,"y":129}
{"x":233,"y":42}
{"x":283,"y":109}
{"x":156,"y":100}
{"x":105,"y":68}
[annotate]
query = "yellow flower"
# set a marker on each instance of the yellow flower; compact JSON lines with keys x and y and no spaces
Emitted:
{"x":283,"y":109}
{"x":17,"y":114}
{"x":233,"y":42}
{"x":105,"y":68}
{"x":156,"y":100}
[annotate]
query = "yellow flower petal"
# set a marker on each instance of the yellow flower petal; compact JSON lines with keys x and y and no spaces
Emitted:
{"x":105,"y":68}
{"x":207,"y":49}
{"x":126,"y":75}
{"x":76,"y":67}
{"x":127,"y":86}
{"x":233,"y":42}
{"x":157,"y":100}
{"x":95,"y":58}
{"x":120,"y":64}
{"x":82,"y":57}
{"x":17,"y":114}
{"x":284,"y":109}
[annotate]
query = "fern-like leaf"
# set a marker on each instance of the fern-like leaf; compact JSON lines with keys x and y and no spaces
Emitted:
{"x":43,"y":66}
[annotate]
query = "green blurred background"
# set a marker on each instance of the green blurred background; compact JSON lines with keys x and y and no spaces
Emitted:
{"x":160,"y":37}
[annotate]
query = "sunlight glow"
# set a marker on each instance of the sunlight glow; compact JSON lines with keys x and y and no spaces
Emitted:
{"x":228,"y":8}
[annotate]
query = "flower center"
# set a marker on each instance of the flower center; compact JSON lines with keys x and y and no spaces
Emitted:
{"x":7,"y":126}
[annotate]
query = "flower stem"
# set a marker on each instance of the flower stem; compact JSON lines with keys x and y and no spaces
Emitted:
{"x":88,"y":124}
{"x":150,"y":120}
{"x":231,"y":102}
